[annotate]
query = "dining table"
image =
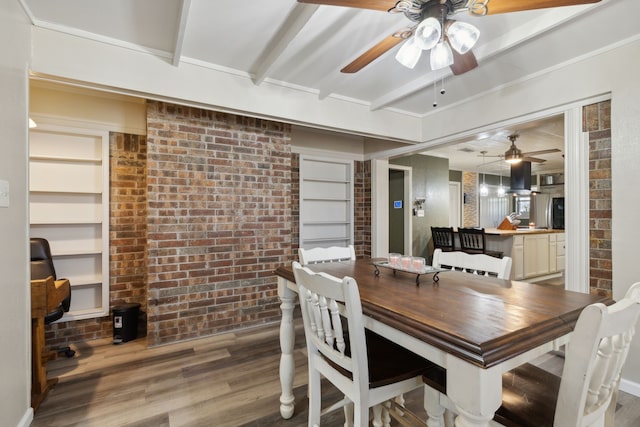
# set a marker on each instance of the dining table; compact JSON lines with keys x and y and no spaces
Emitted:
{"x":475,"y":327}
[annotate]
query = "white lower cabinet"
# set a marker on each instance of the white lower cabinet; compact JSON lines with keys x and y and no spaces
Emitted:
{"x":517,"y":255}
{"x":560,"y":251}
{"x":553,"y":257}
{"x":537,"y":255}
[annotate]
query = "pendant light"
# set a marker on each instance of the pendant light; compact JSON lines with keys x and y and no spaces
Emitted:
{"x":501,"y":190}
{"x":484,"y":191}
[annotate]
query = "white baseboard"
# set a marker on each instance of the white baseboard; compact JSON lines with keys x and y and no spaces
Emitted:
{"x":630,"y":387}
{"x":26,"y":418}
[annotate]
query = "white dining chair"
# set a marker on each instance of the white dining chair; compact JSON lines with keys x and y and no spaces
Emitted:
{"x":330,"y":254}
{"x":473,"y":263}
{"x":586,"y":393}
{"x":367,"y":368}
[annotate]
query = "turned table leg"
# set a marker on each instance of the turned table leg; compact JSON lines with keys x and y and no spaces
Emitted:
{"x":287,"y":341}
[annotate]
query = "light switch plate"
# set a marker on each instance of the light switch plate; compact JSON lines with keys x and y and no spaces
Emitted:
{"x":4,"y":193}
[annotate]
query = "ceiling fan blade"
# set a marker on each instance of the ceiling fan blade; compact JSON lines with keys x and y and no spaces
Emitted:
{"x":494,"y":7}
{"x":384,"y":5}
{"x":366,"y":58}
{"x":533,"y":159}
{"x":537,"y":153}
{"x":463,"y":63}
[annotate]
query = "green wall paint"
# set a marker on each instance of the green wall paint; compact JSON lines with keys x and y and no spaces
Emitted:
{"x":430,"y":180}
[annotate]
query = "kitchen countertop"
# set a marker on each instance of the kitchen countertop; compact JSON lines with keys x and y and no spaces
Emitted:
{"x":496,"y":232}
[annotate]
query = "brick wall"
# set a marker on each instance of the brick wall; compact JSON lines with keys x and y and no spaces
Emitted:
{"x":597,"y":121}
{"x":295,"y":204}
{"x":224,"y":197}
{"x":127,"y":224}
{"x":362,"y":209}
{"x":219,"y":220}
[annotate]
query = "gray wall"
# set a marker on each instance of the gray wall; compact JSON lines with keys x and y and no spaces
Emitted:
{"x":15,"y":324}
{"x":430,"y":180}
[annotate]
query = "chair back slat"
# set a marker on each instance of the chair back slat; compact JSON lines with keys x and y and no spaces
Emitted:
{"x":443,"y":238}
{"x":472,"y":240}
{"x":595,"y":356}
{"x":321,"y":255}
{"x":473,"y":263}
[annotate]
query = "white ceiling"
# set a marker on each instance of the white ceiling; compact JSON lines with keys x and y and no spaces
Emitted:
{"x":304,"y":46}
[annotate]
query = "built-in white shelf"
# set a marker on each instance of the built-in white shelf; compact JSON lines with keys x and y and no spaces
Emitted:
{"x":326,"y":202}
{"x":68,"y":202}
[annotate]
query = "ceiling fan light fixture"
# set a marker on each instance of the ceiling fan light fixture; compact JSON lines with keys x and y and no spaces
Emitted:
{"x":462,"y":36}
{"x":409,"y":53}
{"x":441,"y":56}
{"x":513,"y":154}
{"x":428,"y":33}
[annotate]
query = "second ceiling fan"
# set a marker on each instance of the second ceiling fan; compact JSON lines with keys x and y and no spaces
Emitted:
{"x":515,"y":155}
{"x":449,"y":41}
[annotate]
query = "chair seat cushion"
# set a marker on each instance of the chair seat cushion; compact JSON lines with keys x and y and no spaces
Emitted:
{"x":388,"y":362}
{"x":529,"y":396}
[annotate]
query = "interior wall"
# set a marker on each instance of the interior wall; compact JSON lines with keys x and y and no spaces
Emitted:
{"x":15,"y":314}
{"x":430,"y":180}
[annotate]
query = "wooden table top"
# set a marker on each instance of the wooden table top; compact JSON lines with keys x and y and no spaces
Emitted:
{"x":483,"y":320}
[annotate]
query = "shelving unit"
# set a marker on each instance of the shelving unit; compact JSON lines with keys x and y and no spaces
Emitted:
{"x":69,"y":206}
{"x":326,"y":202}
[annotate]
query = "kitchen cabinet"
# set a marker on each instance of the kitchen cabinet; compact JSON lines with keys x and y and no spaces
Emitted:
{"x":69,"y":206}
{"x":560,"y":247}
{"x":517,"y":258}
{"x":536,"y":255}
{"x":553,"y":257}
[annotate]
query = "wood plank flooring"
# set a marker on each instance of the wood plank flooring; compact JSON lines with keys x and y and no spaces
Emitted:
{"x":227,"y":380}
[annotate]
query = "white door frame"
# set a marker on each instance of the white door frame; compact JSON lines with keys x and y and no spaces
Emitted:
{"x":455,"y":212}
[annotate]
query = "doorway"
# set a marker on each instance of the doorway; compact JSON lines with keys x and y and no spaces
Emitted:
{"x":455,"y":204}
{"x":400,"y":239}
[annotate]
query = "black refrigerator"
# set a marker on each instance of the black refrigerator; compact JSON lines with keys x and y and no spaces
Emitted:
{"x":557,"y":213}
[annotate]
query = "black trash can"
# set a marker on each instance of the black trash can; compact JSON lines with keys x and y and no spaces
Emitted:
{"x":125,"y":322}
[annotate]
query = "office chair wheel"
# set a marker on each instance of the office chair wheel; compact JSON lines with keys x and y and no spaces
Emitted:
{"x":67,"y":352}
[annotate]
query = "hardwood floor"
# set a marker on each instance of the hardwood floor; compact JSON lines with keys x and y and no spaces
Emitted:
{"x":226,"y":380}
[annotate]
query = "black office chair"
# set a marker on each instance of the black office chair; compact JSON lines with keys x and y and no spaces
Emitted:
{"x":473,"y":241}
{"x":443,"y":238}
{"x":41,"y":268}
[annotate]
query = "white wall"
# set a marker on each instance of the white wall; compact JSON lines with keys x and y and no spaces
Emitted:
{"x":15,"y":323}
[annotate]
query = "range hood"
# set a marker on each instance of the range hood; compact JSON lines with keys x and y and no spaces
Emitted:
{"x":520,"y":178}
